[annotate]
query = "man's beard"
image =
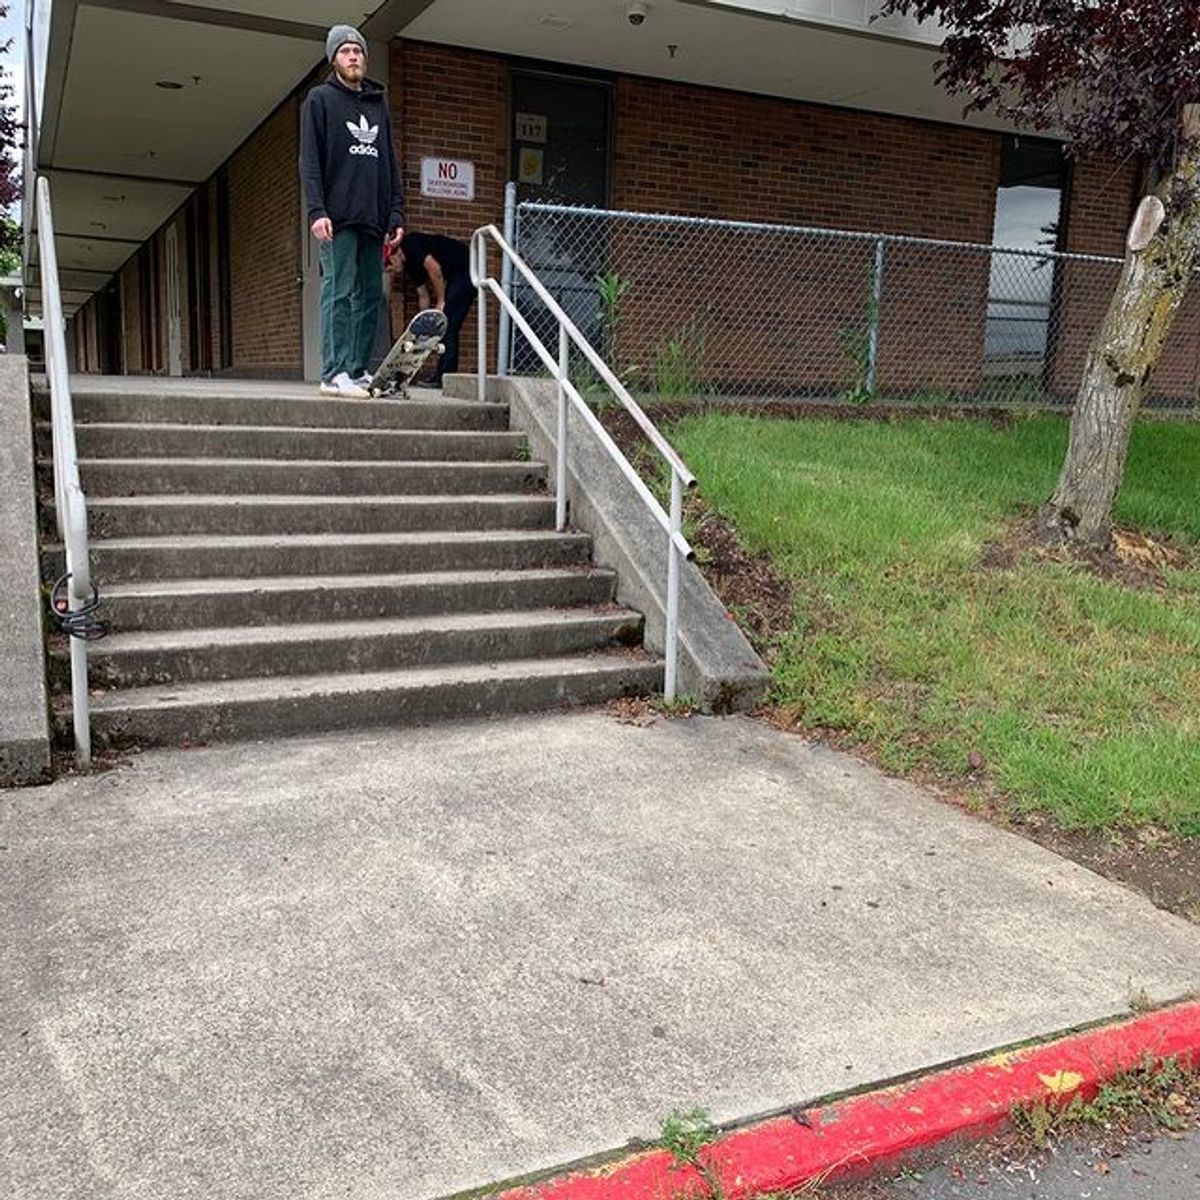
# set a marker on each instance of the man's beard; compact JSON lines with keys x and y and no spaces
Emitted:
{"x":357,"y":79}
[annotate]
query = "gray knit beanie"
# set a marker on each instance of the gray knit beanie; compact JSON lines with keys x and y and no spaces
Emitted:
{"x":339,"y":35}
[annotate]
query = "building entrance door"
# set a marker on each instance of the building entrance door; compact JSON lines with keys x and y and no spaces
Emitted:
{"x":560,"y":155}
{"x":560,"y":139}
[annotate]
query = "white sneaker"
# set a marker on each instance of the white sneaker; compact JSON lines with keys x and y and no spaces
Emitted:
{"x":328,"y":388}
{"x":348,"y":388}
{"x":364,"y":380}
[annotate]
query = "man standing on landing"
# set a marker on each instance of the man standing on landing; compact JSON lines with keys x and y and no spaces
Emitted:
{"x":352,"y":187}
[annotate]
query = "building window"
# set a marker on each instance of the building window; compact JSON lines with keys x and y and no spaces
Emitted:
{"x":1029,"y":213}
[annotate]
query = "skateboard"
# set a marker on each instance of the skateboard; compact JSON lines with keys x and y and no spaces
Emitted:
{"x":399,"y":368}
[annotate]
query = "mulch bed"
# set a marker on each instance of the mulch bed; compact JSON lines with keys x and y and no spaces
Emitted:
{"x":1134,"y":559}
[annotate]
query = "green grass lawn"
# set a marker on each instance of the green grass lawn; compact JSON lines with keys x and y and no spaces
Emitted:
{"x":1082,"y":696}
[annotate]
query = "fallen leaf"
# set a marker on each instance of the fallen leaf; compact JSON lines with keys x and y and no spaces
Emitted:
{"x":1062,"y":1083}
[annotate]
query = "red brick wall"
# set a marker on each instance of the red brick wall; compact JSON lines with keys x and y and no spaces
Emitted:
{"x":717,"y":153}
{"x":264,"y":247}
{"x":702,"y":151}
{"x":449,"y":103}
{"x":1102,"y":202}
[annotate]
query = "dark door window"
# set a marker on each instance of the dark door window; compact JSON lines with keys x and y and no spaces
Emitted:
{"x":560,"y":155}
{"x":560,"y":139}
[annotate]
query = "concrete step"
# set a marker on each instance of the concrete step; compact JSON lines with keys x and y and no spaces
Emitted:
{"x":122,"y":560}
{"x":168,"y":440}
{"x":148,"y":516}
{"x":421,"y":411}
{"x":134,"y":660}
{"x":190,"y":603}
{"x":176,"y":476}
{"x":258,"y":708}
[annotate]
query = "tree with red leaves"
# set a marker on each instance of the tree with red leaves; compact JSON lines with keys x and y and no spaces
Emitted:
{"x":11,"y":141}
{"x":1119,"y":78}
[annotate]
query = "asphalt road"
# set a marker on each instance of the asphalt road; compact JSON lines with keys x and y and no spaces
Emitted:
{"x":1165,"y":1167}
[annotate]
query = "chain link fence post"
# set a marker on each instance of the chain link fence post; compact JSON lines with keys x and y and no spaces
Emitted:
{"x":504,"y":335}
{"x":873,"y":317}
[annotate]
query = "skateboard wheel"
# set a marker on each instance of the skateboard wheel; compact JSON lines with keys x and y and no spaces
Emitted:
{"x":408,"y":347}
{"x":441,"y":349}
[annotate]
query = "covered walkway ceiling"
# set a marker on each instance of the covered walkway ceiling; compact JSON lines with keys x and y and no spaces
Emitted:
{"x":123,"y":152}
{"x":826,"y":51}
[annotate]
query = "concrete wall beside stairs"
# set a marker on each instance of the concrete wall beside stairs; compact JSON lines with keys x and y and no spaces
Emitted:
{"x":24,"y":718}
{"x":717,"y":666}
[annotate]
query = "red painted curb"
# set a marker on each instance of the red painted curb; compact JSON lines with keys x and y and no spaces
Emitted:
{"x":860,"y":1131}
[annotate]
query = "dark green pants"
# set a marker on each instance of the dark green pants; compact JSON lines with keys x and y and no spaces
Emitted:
{"x":351,"y":294}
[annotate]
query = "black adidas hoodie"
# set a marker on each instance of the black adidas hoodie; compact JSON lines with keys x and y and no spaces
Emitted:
{"x":347,"y":163}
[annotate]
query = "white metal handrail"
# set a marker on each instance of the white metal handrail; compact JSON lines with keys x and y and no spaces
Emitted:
{"x":559,"y":368}
{"x":70,"y":506}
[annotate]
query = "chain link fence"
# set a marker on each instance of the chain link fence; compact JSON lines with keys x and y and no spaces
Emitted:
{"x":688,"y":307}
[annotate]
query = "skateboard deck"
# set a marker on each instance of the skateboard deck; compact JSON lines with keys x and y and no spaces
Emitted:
{"x":422,"y":338}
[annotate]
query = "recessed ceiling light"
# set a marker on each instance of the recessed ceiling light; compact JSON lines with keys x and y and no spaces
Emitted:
{"x":114,"y":199}
{"x":97,"y":225}
{"x":169,"y":85}
{"x":553,"y":21}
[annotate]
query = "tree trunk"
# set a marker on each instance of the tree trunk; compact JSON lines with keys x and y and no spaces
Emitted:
{"x":1120,"y":360}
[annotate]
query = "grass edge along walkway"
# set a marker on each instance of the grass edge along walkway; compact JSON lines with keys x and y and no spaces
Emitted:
{"x":1063,"y":692}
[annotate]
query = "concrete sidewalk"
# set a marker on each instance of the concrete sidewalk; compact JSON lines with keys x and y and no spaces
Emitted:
{"x":416,"y":962}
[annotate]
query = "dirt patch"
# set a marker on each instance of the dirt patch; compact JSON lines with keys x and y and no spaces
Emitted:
{"x":632,"y":710}
{"x":1163,"y":867}
{"x":645,"y":710}
{"x":758,"y":597}
{"x":1134,"y":559}
{"x":753,"y":592}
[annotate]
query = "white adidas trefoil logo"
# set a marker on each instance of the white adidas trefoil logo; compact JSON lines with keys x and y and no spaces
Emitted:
{"x":364,"y":137}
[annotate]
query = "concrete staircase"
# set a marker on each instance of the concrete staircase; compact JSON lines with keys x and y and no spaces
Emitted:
{"x":273,"y":562}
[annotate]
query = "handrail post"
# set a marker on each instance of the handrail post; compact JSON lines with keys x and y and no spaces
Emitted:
{"x":481,"y":390}
{"x":560,"y":483}
{"x":80,"y":716}
{"x":672,"y":634}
